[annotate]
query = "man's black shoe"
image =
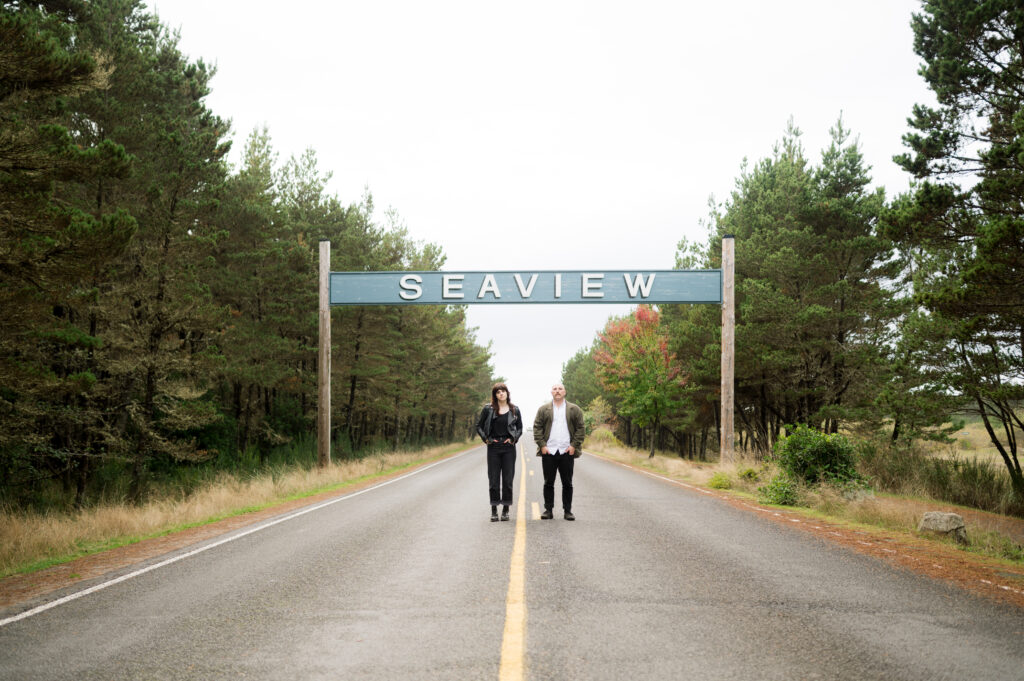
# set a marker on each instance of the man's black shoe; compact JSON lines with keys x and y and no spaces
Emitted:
{"x":569,"y":515}
{"x":504,"y":514}
{"x":494,"y":516}
{"x":547,"y":514}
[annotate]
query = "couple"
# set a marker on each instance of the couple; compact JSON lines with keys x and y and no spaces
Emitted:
{"x":557,"y":430}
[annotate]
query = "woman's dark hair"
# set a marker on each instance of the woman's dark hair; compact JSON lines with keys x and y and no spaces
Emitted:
{"x":494,"y":396}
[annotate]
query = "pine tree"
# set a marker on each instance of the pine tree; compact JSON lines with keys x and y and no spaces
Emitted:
{"x":963,"y":227}
{"x":50,"y":250}
{"x":153,"y":308}
{"x":813,"y":312}
{"x":264,"y":280}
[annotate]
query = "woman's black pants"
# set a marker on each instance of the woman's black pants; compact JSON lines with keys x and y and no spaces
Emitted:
{"x":501,"y":468}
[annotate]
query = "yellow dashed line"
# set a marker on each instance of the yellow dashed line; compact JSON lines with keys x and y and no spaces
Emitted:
{"x":513,"y":648}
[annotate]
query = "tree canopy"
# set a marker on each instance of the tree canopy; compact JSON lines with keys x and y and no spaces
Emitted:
{"x":157,"y":306}
{"x":962,"y":229}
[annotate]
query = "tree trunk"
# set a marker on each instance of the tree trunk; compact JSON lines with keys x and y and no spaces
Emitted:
{"x":654,"y":438}
{"x":81,"y":482}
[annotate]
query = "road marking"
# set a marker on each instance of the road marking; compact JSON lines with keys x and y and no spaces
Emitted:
{"x":535,"y":508}
{"x":513,"y":641}
{"x":531,"y":472}
{"x":123,"y":578}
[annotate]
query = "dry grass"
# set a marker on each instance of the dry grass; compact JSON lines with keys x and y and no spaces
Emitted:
{"x":865,"y":510}
{"x":30,"y":540}
{"x":697,"y":472}
{"x":971,"y":441}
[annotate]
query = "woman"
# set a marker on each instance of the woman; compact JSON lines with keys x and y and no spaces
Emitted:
{"x":500,"y":425}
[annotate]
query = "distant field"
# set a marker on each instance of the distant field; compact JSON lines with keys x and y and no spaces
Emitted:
{"x":971,"y":441}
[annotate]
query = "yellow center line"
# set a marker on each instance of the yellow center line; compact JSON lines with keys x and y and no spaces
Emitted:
{"x":513,"y":649}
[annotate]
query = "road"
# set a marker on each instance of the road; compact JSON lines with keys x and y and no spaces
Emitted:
{"x":411,"y":580}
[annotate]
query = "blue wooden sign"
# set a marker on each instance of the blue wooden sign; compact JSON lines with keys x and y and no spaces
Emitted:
{"x":525,"y":286}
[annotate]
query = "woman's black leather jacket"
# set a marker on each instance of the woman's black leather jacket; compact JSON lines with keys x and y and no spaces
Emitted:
{"x":515,"y":423}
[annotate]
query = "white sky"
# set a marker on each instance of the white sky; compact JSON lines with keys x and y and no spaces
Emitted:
{"x":553,"y":135}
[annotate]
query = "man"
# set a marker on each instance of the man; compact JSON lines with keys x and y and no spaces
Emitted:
{"x":558,"y":431}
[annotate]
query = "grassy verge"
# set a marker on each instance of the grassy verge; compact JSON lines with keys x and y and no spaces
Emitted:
{"x":987,"y":533}
{"x":33,"y":541}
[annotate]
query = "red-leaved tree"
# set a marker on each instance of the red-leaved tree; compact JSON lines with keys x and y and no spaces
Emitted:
{"x":633,"y":363}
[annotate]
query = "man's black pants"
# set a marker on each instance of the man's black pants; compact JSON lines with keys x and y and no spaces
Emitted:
{"x":562,"y":464}
{"x":501,"y":468}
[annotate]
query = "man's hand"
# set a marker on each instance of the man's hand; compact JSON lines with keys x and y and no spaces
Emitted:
{"x":544,"y":450}
{"x":572,"y":451}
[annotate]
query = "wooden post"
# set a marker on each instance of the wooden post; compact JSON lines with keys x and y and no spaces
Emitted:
{"x":323,"y":405}
{"x":728,"y":454}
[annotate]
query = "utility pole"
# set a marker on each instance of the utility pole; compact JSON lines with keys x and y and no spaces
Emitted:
{"x":728,"y":454}
{"x":323,"y":411}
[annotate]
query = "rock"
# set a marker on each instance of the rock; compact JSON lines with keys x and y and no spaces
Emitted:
{"x":944,"y":523}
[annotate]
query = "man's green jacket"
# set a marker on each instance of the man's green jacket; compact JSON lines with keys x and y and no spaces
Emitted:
{"x":573,"y":418}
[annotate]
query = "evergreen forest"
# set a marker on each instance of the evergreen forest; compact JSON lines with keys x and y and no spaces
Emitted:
{"x":158,"y":307}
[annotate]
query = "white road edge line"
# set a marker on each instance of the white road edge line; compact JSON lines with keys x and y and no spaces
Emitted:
{"x":123,"y":578}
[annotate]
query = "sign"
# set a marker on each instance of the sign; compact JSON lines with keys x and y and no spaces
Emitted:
{"x":465,"y":288}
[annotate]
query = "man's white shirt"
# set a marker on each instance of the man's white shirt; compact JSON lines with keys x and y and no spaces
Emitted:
{"x":559,"y":439}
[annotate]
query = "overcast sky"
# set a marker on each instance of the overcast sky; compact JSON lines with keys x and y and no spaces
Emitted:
{"x":553,"y":135}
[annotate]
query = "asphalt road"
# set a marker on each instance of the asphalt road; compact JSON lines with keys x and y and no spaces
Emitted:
{"x":410,"y":580}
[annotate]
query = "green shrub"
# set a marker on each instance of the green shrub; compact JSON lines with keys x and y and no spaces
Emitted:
{"x":720,"y":480}
{"x":811,"y":456}
{"x":782,"y":490}
{"x":748,"y":474}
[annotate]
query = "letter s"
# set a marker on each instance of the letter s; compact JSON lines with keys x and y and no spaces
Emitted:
{"x":411,"y":289}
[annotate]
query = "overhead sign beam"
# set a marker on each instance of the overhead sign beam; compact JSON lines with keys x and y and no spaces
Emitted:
{"x":473,"y":288}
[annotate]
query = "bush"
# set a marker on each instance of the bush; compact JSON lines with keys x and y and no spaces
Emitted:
{"x":748,"y":474}
{"x":597,"y":414}
{"x":811,"y":456}
{"x":602,"y":437}
{"x":782,"y":490}
{"x":720,"y":480}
